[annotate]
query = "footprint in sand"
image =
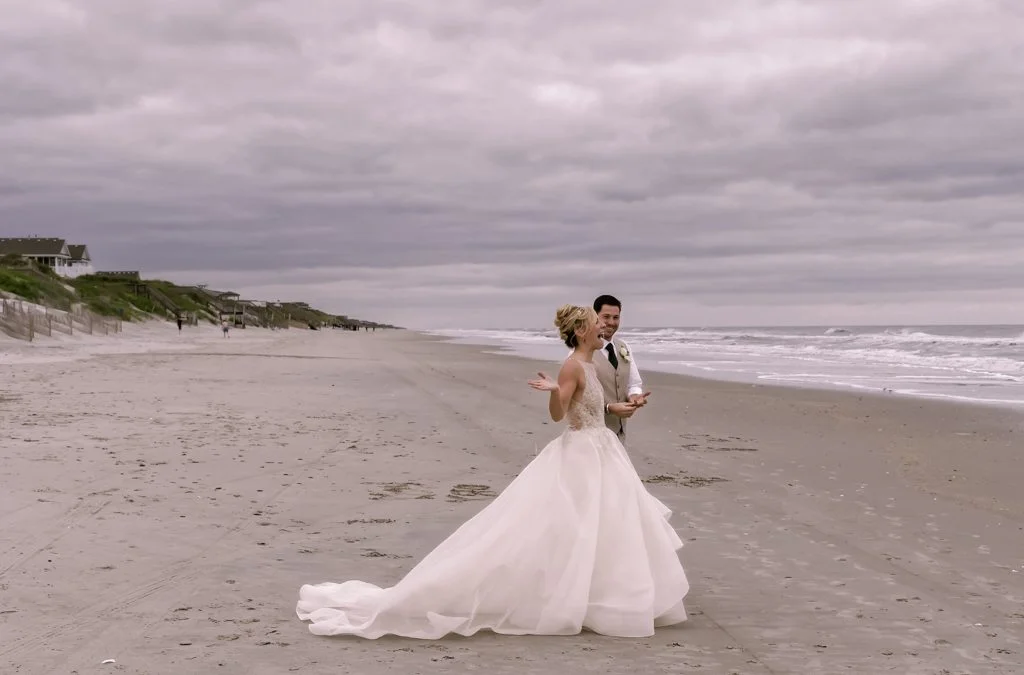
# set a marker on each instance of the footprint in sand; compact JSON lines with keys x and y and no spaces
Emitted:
{"x":684,"y":479}
{"x":704,"y":442}
{"x":373,"y":553}
{"x":407,"y":490}
{"x":465,"y":491}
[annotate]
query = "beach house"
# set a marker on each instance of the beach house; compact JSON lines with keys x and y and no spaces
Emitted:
{"x":66,"y":260}
{"x":80,"y":262}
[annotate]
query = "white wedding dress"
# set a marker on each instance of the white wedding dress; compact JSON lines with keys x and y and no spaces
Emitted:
{"x":574,"y":542}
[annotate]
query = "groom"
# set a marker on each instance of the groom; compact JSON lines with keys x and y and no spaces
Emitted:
{"x":616,"y":367}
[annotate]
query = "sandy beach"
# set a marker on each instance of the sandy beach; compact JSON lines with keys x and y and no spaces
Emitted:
{"x":163,"y":502}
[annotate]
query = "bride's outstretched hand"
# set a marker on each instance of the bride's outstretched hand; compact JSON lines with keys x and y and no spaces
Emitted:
{"x":544,"y":383}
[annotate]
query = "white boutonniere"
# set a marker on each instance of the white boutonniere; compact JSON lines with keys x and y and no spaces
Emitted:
{"x":624,"y":353}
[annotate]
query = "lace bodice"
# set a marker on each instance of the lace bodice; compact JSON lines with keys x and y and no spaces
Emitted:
{"x":587,"y":411}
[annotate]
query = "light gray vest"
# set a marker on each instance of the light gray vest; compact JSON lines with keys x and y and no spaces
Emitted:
{"x":615,"y":382}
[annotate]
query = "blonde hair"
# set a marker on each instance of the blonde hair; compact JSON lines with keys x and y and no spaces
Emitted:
{"x":571,"y":318}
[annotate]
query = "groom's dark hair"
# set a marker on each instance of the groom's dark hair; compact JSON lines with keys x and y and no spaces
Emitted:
{"x":603,"y":300}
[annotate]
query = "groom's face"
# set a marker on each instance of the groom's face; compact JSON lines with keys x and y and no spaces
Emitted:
{"x":608,"y":316}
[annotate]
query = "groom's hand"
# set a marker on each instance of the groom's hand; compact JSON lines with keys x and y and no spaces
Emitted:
{"x":623,"y":410}
{"x":639,"y":400}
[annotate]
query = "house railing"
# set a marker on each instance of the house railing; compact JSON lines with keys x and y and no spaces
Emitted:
{"x":74,"y":270}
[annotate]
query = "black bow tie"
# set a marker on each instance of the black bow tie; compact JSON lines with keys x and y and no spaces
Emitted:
{"x":612,"y":359}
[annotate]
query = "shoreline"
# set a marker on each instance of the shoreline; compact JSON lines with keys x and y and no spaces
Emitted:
{"x":165,"y":507}
{"x":501,"y":349}
{"x":1006,"y":424}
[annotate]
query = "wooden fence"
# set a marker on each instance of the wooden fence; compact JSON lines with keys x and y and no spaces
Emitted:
{"x":25,"y":321}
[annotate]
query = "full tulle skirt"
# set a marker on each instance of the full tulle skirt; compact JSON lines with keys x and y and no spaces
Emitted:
{"x":574,"y":542}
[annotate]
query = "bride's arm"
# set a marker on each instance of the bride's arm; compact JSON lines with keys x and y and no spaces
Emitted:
{"x":561,"y":391}
{"x":568,"y":381}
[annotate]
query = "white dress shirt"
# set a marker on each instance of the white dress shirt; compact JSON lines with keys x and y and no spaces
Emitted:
{"x":634,"y":386}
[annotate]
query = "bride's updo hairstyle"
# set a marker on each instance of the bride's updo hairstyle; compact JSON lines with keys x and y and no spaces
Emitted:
{"x":571,"y":318}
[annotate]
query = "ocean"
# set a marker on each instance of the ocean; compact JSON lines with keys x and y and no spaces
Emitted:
{"x":977,"y":364}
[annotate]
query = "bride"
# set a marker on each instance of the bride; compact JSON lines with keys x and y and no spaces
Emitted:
{"x":574,"y":542}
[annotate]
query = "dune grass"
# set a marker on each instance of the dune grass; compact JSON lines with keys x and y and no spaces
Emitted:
{"x":37,"y":286}
{"x":117,"y":297}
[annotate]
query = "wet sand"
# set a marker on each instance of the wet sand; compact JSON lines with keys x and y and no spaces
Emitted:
{"x":162,"y":510}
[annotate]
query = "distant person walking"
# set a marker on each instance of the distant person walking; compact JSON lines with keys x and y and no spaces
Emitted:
{"x":224,"y":327}
{"x":179,"y":323}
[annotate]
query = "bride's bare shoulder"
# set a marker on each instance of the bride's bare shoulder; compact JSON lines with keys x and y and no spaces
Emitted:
{"x":573,"y":368}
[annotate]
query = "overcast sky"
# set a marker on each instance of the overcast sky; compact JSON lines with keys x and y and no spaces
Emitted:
{"x":475,"y":163}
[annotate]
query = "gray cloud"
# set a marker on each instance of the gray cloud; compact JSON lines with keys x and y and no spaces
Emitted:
{"x":478,"y":163}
